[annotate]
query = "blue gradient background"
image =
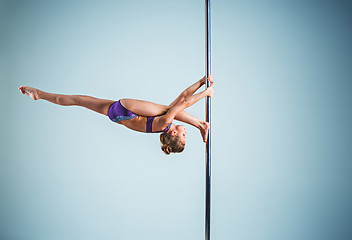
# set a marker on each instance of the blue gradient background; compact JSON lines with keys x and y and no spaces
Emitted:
{"x":281,"y":120}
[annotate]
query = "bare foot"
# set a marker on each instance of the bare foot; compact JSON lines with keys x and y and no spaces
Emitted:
{"x":204,"y":129}
{"x":210,"y":90}
{"x":31,"y":92}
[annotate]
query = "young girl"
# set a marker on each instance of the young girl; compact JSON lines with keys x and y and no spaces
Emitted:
{"x":141,"y":115}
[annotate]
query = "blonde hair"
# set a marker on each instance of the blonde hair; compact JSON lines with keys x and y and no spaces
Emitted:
{"x":171,"y":143}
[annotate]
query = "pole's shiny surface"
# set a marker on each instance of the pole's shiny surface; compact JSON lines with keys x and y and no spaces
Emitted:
{"x":208,"y":119}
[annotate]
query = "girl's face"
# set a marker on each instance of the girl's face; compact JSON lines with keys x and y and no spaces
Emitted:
{"x":180,"y":131}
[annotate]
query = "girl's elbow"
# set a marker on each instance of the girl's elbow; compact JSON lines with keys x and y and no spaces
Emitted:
{"x":182,"y":97}
{"x":186,"y":103}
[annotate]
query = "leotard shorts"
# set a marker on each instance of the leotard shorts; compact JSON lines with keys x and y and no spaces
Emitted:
{"x":117,"y":112}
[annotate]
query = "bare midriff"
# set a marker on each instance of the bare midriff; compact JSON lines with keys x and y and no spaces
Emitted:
{"x":138,"y":123}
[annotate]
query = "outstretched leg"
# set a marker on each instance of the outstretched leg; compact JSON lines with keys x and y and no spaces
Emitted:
{"x":95,"y":104}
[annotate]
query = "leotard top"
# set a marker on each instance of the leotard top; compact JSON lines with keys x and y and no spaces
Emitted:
{"x":150,"y":124}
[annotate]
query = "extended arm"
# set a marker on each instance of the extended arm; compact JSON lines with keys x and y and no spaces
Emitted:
{"x":190,"y":90}
{"x":201,"y":125}
{"x":185,"y":103}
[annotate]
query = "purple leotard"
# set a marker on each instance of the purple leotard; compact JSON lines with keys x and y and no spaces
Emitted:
{"x":150,"y":124}
{"x":117,"y":113}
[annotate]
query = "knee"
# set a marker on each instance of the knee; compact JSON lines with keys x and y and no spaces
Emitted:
{"x":60,"y":100}
{"x":183,"y":96}
{"x":66,"y":100}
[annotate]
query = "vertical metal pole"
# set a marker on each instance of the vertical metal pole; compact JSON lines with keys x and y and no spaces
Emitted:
{"x":208,"y":118}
